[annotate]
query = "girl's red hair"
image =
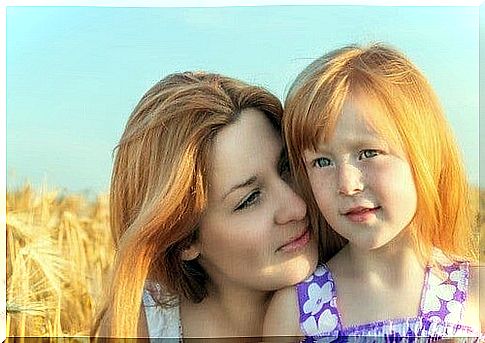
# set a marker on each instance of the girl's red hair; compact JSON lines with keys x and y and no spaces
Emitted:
{"x":412,"y":119}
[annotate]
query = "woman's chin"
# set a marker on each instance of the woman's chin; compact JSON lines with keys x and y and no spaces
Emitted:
{"x":290,"y":272}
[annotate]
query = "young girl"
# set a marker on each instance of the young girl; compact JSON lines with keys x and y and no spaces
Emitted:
{"x":373,"y":154}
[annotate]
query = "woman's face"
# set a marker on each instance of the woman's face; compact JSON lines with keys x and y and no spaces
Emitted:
{"x":255,"y":232}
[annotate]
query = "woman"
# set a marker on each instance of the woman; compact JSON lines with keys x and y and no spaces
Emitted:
{"x":205,"y":226}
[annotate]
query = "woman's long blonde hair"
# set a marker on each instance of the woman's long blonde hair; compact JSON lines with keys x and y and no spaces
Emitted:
{"x":159,"y":188}
{"x":412,"y":119}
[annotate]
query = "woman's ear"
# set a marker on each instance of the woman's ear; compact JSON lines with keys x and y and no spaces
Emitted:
{"x":191,"y":252}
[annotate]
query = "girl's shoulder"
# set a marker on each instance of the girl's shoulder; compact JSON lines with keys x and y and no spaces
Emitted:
{"x":440,"y":258}
{"x":282,"y":315}
{"x":473,"y":275}
{"x":468,"y":275}
{"x":319,"y":283}
{"x":454,"y":268}
{"x":475,"y":310}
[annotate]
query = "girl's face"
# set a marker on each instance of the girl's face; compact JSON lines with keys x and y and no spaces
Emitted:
{"x":255,"y":231}
{"x":363,"y":187}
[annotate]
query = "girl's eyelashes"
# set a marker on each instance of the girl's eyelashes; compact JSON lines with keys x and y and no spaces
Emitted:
{"x":252,"y":199}
{"x":321,"y":162}
{"x":368,"y":153}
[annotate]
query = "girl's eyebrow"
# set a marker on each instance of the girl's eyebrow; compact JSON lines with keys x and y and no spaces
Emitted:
{"x":368,"y":140}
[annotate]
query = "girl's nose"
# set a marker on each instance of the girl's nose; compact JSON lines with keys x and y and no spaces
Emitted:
{"x":349,"y":180}
{"x":291,"y":206}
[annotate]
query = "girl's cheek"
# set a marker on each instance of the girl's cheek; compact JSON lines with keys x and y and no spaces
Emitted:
{"x":373,"y":173}
{"x":321,"y":190}
{"x":314,"y":178}
{"x":379,"y":170}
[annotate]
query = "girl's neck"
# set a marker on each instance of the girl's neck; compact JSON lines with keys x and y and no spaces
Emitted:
{"x":370,"y":279}
{"x":389,"y":265}
{"x":229,"y":310}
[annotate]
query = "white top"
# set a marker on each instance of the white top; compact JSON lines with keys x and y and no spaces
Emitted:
{"x":162,"y":322}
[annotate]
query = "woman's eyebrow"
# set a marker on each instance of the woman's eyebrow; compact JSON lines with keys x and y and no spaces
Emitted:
{"x":243,"y":184}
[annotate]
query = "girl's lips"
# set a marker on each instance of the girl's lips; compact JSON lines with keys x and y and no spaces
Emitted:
{"x":297,"y":243}
{"x":360,"y":215}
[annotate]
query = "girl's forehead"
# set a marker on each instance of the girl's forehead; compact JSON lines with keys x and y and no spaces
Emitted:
{"x":358,"y":116}
{"x":362,"y":120}
{"x":371,"y":111}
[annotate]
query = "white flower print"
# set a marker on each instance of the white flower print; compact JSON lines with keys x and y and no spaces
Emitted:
{"x":456,"y":276}
{"x":436,"y":291}
{"x":310,"y":326}
{"x":317,"y":296}
{"x":320,"y":271}
{"x":326,"y":323}
{"x":455,"y":311}
{"x":435,"y":319}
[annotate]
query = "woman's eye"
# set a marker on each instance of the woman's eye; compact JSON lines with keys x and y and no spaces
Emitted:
{"x":321,"y":162}
{"x":368,"y":153}
{"x":250,"y":200}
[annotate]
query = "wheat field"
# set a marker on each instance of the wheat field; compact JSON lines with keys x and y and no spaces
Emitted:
{"x":59,"y":252}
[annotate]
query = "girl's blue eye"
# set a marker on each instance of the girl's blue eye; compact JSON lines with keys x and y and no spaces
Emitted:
{"x":368,"y":153}
{"x":321,"y":162}
{"x":250,"y":200}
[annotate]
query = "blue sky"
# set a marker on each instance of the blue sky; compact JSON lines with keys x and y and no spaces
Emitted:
{"x":75,"y":73}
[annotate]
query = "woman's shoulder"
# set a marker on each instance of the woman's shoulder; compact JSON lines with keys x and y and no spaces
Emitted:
{"x":162,"y":320}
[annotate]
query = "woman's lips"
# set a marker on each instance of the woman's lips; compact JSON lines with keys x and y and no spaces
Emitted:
{"x":297,"y":243}
{"x":361,"y":214}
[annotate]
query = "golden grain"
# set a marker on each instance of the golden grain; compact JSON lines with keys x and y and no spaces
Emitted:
{"x":59,"y":251}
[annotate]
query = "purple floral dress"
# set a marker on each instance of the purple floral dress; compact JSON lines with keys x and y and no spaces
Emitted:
{"x":439,"y":315}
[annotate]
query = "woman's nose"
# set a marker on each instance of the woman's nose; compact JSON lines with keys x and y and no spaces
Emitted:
{"x":291,"y":206}
{"x":349,"y":180}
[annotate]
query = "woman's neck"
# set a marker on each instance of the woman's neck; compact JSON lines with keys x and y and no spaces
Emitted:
{"x":228,"y":310}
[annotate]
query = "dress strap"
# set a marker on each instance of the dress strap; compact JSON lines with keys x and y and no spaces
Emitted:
{"x":317,"y":304}
{"x":445,"y":292}
{"x":162,"y":322}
